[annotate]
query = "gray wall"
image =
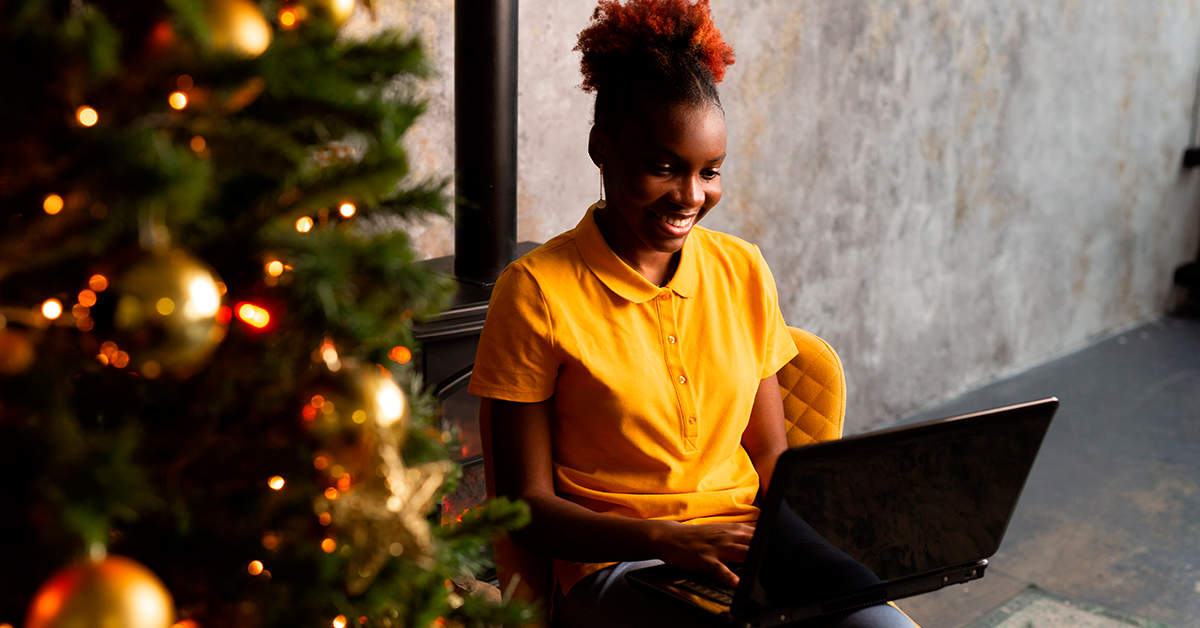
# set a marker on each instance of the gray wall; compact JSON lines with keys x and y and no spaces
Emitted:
{"x":948,"y":192}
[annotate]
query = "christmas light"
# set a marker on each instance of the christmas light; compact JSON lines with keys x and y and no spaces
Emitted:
{"x":304,"y":224}
{"x":329,"y":545}
{"x":198,"y":144}
{"x":320,"y":462}
{"x":186,"y":623}
{"x":165,"y":306}
{"x":255,"y":567}
{"x":331,"y":493}
{"x":178,"y":100}
{"x":253,"y":315}
{"x":317,"y":401}
{"x":151,"y":369}
{"x":53,"y":204}
{"x":309,"y":413}
{"x":344,"y":482}
{"x":339,"y":621}
{"x":120,"y":359}
{"x":400,"y":354}
{"x":184,"y":82}
{"x":347,"y":210}
{"x":80,"y":310}
{"x":224,"y":315}
{"x":325,"y":518}
{"x":85,"y":324}
{"x":87,"y":298}
{"x":287,"y":17}
{"x":87,"y":116}
{"x":103,"y":358}
{"x":52,"y":309}
{"x":98,"y":283}
{"x":270,"y":541}
{"x":275,"y":268}
{"x":359,"y":416}
{"x":275,"y":483}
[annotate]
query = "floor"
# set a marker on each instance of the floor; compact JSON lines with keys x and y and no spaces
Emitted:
{"x":1111,"y":512}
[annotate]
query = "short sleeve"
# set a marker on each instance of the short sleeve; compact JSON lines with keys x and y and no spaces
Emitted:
{"x":516,"y":360}
{"x":778,"y":346}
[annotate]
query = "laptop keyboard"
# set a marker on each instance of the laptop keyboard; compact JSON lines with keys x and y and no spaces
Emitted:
{"x":708,"y":588}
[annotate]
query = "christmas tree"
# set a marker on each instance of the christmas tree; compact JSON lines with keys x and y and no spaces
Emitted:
{"x":206,"y":380}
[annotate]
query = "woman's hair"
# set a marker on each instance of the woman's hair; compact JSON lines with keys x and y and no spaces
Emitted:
{"x":651,"y":52}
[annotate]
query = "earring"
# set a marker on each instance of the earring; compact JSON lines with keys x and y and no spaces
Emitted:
{"x":601,"y":204}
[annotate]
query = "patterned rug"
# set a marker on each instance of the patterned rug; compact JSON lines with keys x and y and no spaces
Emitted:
{"x":1035,"y":608}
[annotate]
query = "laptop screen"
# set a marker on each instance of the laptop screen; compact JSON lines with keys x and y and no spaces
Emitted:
{"x":904,"y":502}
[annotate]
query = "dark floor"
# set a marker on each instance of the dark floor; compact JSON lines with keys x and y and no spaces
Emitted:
{"x":1111,"y":512}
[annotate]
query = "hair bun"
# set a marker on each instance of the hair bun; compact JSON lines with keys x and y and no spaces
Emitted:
{"x":657,"y":27}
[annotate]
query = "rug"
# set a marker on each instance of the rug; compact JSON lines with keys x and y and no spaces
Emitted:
{"x":1036,"y":608}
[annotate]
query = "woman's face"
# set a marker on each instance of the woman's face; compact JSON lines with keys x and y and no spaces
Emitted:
{"x":662,"y":175}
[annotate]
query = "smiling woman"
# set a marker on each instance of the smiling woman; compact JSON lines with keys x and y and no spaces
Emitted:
{"x":631,"y":362}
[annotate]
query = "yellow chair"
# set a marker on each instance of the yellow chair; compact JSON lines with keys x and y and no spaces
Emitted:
{"x":814,"y":406}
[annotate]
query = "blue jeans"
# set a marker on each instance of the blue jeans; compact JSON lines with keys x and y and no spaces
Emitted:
{"x":605,"y":600}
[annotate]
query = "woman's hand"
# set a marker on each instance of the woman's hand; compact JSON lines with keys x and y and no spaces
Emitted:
{"x":705,"y":548}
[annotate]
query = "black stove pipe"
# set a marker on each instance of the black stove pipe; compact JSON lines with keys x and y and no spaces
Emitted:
{"x":485,"y":138}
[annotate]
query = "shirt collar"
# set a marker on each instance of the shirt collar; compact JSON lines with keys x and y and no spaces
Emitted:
{"x":619,"y":277}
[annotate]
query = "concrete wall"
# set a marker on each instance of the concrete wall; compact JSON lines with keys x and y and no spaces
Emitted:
{"x":948,"y":192}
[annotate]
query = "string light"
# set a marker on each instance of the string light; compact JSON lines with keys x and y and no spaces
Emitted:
{"x":309,"y":413}
{"x":120,"y":359}
{"x":331,"y":493}
{"x":329,"y":545}
{"x":287,"y":17}
{"x":304,"y":224}
{"x":320,"y":462}
{"x":98,"y":283}
{"x":275,"y":268}
{"x":255,"y":567}
{"x":270,"y":541}
{"x":87,"y":116}
{"x":52,"y":309}
{"x":224,"y":315}
{"x":184,"y":82}
{"x":165,"y":306}
{"x":347,"y":210}
{"x":198,"y":144}
{"x":325,"y":518}
{"x":400,"y":354}
{"x":186,"y":623}
{"x":339,"y":621}
{"x":253,"y":315}
{"x":276,"y":482}
{"x":178,"y":100}
{"x":53,"y":204}
{"x":80,"y":310}
{"x":87,"y":298}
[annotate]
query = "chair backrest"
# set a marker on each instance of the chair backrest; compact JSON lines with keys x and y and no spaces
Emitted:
{"x":814,"y":407}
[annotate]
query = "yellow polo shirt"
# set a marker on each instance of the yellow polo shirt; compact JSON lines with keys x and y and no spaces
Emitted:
{"x":652,"y":385}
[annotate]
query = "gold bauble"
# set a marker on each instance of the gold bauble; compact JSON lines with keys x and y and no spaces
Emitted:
{"x":346,"y":408}
{"x":238,"y":27}
{"x":16,"y":352}
{"x":163,"y":312}
{"x":338,"y":11}
{"x":116,"y":592}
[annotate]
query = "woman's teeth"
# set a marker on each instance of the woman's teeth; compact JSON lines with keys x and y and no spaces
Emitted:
{"x":674,"y":222}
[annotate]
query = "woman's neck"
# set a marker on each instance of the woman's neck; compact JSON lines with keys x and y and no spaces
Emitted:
{"x":657,"y":267}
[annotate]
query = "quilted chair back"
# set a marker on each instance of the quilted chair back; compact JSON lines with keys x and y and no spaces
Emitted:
{"x":814,"y":406}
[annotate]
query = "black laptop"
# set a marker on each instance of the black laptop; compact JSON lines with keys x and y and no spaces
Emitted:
{"x":854,"y":522}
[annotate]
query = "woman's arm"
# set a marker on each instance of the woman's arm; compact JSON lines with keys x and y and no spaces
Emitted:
{"x":764,"y":438}
{"x":522,"y":450}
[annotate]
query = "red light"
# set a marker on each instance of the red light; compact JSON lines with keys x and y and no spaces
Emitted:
{"x":253,"y":315}
{"x":224,"y":315}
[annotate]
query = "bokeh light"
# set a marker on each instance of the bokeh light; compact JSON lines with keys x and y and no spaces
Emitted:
{"x":276,"y":482}
{"x":339,"y":621}
{"x":52,"y":309}
{"x":87,"y":116}
{"x":274,"y":268}
{"x":347,"y":210}
{"x":325,"y":518}
{"x":53,"y":204}
{"x":178,"y":100}
{"x":270,"y":540}
{"x":329,"y":545}
{"x":184,"y":82}
{"x":198,"y":144}
{"x":255,"y":567}
{"x":253,"y":315}
{"x":331,"y":493}
{"x":320,"y":462}
{"x":98,"y":283}
{"x":287,"y":17}
{"x":87,"y":298}
{"x":304,"y":224}
{"x":165,"y":306}
{"x":120,"y":359}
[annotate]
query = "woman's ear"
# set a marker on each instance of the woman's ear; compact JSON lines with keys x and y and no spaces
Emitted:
{"x":598,"y":146}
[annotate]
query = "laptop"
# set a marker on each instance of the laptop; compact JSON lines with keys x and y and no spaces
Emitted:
{"x":854,"y":522}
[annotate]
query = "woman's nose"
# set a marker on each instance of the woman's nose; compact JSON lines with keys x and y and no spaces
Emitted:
{"x":690,"y":191}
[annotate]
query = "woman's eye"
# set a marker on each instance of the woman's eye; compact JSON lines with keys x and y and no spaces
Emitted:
{"x":709,"y":175}
{"x":660,"y":169}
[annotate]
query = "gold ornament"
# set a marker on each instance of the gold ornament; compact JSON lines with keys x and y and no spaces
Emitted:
{"x":16,"y":352}
{"x":338,"y":11}
{"x":238,"y":27}
{"x":383,"y":511}
{"x":116,"y":592}
{"x":163,"y":313}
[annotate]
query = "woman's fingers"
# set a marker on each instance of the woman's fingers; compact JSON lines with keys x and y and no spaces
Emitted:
{"x":708,"y":548}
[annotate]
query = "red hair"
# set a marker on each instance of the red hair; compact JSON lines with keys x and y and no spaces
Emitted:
{"x":660,"y":27}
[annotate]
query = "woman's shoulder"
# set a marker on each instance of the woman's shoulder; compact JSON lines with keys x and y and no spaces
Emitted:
{"x":730,"y":248}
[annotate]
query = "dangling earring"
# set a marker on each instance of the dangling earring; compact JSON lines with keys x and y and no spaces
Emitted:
{"x":601,"y":204}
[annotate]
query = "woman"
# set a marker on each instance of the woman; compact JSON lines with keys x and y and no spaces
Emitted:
{"x":631,"y":361}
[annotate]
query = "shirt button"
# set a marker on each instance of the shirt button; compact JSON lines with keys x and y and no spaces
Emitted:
{"x":692,"y":419}
{"x":664,"y":296}
{"x":671,"y":339}
{"x":682,"y":379}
